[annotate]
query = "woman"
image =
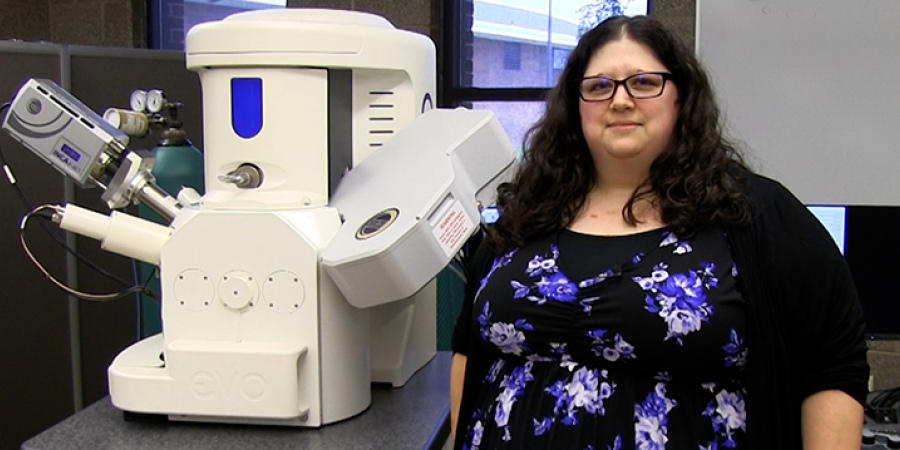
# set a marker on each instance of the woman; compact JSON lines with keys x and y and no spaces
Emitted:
{"x":643,"y":289}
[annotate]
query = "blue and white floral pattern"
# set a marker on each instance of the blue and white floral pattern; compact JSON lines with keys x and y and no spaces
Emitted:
{"x":735,"y":352}
{"x":550,"y":283}
{"x":475,"y":433}
{"x":617,"y":443}
{"x":528,"y":315}
{"x":681,"y":246}
{"x":513,"y":386}
{"x":499,"y":262}
{"x":508,"y":337}
{"x":610,"y":348}
{"x":495,"y":370}
{"x":587,"y":304}
{"x":585,"y":391}
{"x":638,"y":258}
{"x":540,"y":265}
{"x":728,"y":415}
{"x":680,"y":298}
{"x":668,"y":239}
{"x":603,"y":276}
{"x":652,"y":420}
{"x":557,"y":287}
{"x":707,"y":272}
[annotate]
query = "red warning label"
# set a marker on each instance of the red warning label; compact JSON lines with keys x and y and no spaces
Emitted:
{"x":453,"y":229}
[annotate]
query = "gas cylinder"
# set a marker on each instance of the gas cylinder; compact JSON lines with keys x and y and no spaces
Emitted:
{"x":178,"y":164}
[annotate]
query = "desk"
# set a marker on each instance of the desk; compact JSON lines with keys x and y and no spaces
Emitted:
{"x":414,"y":417}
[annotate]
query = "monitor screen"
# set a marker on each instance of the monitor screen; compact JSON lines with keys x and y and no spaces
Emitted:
{"x":864,"y":236}
{"x":835,"y":219}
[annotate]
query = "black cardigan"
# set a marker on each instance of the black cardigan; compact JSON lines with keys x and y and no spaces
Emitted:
{"x":805,"y":325}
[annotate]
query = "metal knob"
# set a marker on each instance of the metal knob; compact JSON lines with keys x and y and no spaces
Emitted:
{"x":247,"y":176}
{"x":868,"y":437}
{"x":893,"y":441}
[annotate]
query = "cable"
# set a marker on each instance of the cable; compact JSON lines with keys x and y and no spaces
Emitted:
{"x":139,"y":304}
{"x":40,"y":211}
{"x":140,"y":295}
{"x":138,"y":290}
{"x":882,"y":406}
{"x":885,"y":399}
{"x":28,"y":206}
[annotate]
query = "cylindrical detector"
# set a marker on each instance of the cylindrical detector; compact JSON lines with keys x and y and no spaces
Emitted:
{"x":129,"y":122}
{"x":118,"y":233}
{"x":84,"y":222}
{"x":135,"y":237}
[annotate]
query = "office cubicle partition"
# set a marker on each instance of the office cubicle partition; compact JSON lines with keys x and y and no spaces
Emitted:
{"x":55,"y":348}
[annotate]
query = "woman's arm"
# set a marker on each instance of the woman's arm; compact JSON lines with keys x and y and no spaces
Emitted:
{"x":457,"y":376}
{"x":831,"y":420}
{"x":825,"y":324}
{"x":479,"y":266}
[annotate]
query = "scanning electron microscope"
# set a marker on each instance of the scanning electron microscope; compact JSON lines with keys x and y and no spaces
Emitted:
{"x":335,"y":195}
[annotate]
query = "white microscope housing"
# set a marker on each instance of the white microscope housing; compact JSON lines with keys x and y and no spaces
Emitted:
{"x":298,"y":97}
{"x":335,"y":194}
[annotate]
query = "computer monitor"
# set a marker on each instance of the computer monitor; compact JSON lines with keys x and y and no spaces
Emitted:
{"x":835,"y":220}
{"x":866,"y":236}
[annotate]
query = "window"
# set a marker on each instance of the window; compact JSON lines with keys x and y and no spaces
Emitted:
{"x":515,"y":117}
{"x":512,"y":56}
{"x":170,"y":20}
{"x":486,"y":40}
{"x":560,"y":57}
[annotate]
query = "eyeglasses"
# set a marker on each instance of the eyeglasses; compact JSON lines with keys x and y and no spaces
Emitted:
{"x":639,"y":86}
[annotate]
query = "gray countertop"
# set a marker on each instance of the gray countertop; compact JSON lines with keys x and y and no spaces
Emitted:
{"x":413,"y":417}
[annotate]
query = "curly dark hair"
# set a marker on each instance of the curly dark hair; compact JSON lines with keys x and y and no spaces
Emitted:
{"x":693,"y":182}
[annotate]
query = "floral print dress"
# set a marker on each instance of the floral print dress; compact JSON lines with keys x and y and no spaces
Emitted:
{"x":612,"y":342}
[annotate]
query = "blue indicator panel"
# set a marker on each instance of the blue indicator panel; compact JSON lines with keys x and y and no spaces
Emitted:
{"x":246,"y":106}
{"x":490,"y":215}
{"x":71,"y":152}
{"x":69,"y":160}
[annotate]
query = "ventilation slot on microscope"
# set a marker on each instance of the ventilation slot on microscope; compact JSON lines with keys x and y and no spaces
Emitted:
{"x":381,"y":117}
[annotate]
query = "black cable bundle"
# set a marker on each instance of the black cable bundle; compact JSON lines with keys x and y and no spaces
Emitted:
{"x":881,"y":406}
{"x":46,"y":215}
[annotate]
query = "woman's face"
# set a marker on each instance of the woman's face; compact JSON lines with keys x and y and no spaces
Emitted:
{"x":624,"y":129}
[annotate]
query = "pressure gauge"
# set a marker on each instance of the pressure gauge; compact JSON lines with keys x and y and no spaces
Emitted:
{"x":138,"y":100}
{"x":156,"y":100}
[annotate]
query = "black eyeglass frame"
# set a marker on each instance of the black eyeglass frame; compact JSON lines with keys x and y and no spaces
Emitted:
{"x":666,"y":76}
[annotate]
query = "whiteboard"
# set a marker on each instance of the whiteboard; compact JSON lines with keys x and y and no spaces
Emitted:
{"x":811,"y":91}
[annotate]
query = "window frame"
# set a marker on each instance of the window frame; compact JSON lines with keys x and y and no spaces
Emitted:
{"x":451,"y":92}
{"x":154,"y":24}
{"x":156,"y":30}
